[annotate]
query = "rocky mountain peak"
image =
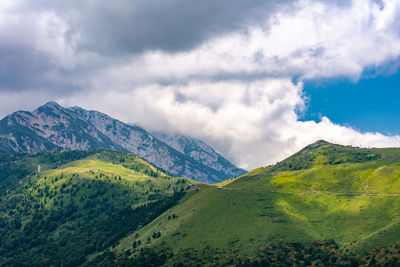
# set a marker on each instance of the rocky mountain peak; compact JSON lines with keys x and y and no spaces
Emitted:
{"x":50,"y":106}
{"x":53,"y":127}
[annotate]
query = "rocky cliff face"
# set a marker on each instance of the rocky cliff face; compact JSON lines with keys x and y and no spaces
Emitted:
{"x":137,"y":140}
{"x":200,"y":152}
{"x":52,"y":127}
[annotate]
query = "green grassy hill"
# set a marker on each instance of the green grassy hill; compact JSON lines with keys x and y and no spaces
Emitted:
{"x":80,"y":203}
{"x":324,"y":192}
{"x":14,"y":168}
{"x":325,"y":205}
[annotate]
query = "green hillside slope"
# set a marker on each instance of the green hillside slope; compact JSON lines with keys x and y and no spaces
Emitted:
{"x":68,"y":211}
{"x":14,"y":168}
{"x":324,"y":205}
{"x":324,"y":192}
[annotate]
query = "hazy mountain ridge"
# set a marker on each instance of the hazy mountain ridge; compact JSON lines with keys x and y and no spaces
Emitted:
{"x":199,"y":151}
{"x":137,"y":140}
{"x":52,"y":127}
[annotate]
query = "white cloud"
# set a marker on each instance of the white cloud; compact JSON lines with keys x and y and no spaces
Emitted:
{"x":309,"y":39}
{"x":42,"y":32}
{"x":234,"y":91}
{"x":253,"y":123}
{"x":240,"y":119}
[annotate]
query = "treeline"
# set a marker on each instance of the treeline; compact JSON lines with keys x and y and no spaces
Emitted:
{"x":317,"y":253}
{"x":15,"y":167}
{"x":36,"y":244}
{"x":387,"y":256}
{"x":135,"y":163}
{"x":333,"y":154}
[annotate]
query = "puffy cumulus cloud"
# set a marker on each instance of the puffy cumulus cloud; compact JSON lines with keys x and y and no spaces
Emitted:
{"x":67,"y":46}
{"x":310,"y":131}
{"x":240,"y":119}
{"x":63,"y":45}
{"x":309,"y":39}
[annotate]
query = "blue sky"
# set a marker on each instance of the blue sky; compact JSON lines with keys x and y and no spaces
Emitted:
{"x":370,"y":104}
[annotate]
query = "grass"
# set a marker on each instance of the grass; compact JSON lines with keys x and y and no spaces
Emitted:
{"x":323,"y":192}
{"x":247,"y":219}
{"x":94,"y":168}
{"x":74,"y":206}
{"x":338,"y":196}
{"x":105,"y":176}
{"x":388,"y":234}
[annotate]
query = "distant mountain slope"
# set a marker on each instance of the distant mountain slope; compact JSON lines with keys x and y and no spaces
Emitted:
{"x":200,"y":152}
{"x":52,"y":127}
{"x":323,"y":192}
{"x":137,"y":140}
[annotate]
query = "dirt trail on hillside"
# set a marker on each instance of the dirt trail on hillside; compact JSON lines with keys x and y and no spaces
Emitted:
{"x":315,"y":192}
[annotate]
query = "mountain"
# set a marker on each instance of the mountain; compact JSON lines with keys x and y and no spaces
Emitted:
{"x":326,"y":197}
{"x":137,"y":140}
{"x":200,"y":152}
{"x":53,"y":127}
{"x":50,"y":127}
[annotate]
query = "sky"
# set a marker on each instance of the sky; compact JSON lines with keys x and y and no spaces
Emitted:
{"x":257,"y":80}
{"x":369,"y":104}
